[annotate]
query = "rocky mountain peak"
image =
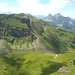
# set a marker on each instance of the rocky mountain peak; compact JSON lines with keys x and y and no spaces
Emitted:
{"x":50,"y":17}
{"x":60,"y":20}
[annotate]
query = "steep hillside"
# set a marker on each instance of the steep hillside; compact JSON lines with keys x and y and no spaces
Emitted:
{"x":29,"y":46}
{"x":29,"y":34}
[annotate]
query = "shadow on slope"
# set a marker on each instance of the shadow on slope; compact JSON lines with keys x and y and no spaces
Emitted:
{"x":54,"y":66}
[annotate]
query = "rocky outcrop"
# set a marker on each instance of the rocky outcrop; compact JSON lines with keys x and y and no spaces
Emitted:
{"x":72,"y":62}
{"x":63,"y":70}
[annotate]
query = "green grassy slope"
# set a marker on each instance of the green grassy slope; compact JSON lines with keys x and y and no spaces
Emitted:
{"x":30,"y":47}
{"x":35,"y":63}
{"x":29,"y":34}
{"x":24,"y":33}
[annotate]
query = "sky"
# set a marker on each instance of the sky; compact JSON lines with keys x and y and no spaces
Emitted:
{"x":39,"y":7}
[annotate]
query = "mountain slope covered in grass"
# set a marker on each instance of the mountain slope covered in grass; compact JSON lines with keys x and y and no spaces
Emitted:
{"x":26,"y":33}
{"x":29,"y":46}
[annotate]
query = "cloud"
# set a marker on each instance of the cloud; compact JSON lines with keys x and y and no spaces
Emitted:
{"x":3,"y":7}
{"x":58,"y":4}
{"x":34,"y":7}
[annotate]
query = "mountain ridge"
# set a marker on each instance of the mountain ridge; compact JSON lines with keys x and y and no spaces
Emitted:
{"x":25,"y":32}
{"x":62,"y":21}
{"x":22,"y":32}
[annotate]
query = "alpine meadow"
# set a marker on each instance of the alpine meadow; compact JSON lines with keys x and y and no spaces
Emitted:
{"x":37,"y":37}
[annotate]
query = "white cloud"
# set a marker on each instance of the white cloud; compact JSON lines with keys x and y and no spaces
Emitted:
{"x":34,"y":7}
{"x":3,"y":7}
{"x":58,"y":4}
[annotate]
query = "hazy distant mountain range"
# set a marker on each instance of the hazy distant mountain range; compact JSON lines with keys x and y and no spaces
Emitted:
{"x":60,"y":21}
{"x":40,"y":16}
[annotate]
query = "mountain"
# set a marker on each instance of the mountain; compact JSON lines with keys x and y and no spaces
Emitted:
{"x":29,"y":46}
{"x":29,"y":34}
{"x":40,"y":16}
{"x":59,"y":20}
{"x":50,"y":18}
{"x":25,"y":32}
{"x":18,"y":30}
